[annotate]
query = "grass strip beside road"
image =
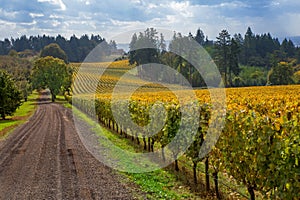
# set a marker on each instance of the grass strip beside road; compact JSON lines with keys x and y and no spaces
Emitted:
{"x":159,"y":184}
{"x":162,"y":183}
{"x":22,"y":114}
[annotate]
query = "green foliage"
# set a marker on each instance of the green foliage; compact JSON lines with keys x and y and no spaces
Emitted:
{"x":10,"y":98}
{"x":50,"y":73}
{"x":76,"y":48}
{"x":159,"y":184}
{"x":20,"y":69}
{"x":21,"y":115}
{"x":259,"y":145}
{"x":288,"y":47}
{"x":255,"y":49}
{"x":238,"y":82}
{"x":252,"y":76}
{"x":226,"y":56}
{"x":13,"y":53}
{"x":296,"y":77}
{"x":144,"y":49}
{"x":55,"y":51}
{"x":200,"y":37}
{"x":281,"y":74}
{"x":262,"y":51}
{"x":149,"y":48}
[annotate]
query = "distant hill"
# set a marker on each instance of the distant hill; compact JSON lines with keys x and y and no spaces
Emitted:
{"x":123,"y":46}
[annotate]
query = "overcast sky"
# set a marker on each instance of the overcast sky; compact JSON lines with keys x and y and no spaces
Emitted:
{"x":108,"y":18}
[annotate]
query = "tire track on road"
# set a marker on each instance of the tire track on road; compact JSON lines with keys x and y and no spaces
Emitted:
{"x":45,"y":159}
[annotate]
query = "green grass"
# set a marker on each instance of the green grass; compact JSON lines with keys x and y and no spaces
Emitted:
{"x":61,"y":100}
{"x":7,"y":123}
{"x":159,"y":184}
{"x":19,"y":117}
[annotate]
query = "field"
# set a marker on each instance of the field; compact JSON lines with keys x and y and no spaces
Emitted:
{"x":254,"y":134}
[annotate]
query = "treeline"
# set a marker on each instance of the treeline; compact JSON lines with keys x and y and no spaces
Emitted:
{"x":76,"y":48}
{"x":242,"y":60}
{"x":260,"y":50}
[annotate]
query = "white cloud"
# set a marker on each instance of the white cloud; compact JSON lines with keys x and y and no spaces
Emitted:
{"x":8,"y":14}
{"x":4,"y":23}
{"x":135,"y":1}
{"x":152,"y":5}
{"x":183,"y":8}
{"x":35,"y":15}
{"x":59,"y":3}
{"x":29,"y":23}
{"x":278,"y":2}
{"x":280,"y":17}
{"x":54,"y":16}
{"x":87,"y":2}
{"x":55,"y":23}
{"x":232,"y":5}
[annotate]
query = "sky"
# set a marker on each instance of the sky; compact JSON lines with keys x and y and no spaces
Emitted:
{"x":114,"y":17}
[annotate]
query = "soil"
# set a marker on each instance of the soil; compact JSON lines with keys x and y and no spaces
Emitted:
{"x":45,"y":159}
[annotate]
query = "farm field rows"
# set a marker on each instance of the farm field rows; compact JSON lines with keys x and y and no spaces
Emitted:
{"x":258,"y":144}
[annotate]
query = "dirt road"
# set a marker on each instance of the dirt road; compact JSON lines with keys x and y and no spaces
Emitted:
{"x":45,"y":159}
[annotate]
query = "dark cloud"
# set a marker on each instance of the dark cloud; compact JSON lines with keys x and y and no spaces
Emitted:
{"x":103,"y":17}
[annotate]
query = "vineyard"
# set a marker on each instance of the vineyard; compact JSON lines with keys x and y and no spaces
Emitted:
{"x":258,"y":144}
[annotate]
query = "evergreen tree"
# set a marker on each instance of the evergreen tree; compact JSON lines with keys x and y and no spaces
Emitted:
{"x":200,"y":37}
{"x":240,"y":42}
{"x":74,"y":46}
{"x":113,"y":45}
{"x":145,"y":50}
{"x":249,"y":45}
{"x":223,"y":54}
{"x":10,"y":96}
{"x":233,"y":60}
{"x":288,"y":47}
{"x":132,"y":48}
{"x":162,"y":44}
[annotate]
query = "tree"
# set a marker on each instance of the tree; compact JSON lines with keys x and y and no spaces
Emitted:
{"x":249,"y":45}
{"x":132,"y":47}
{"x":296,"y":77}
{"x":52,"y":73}
{"x":288,"y":47}
{"x":233,"y":60}
{"x":10,"y":96}
{"x":24,"y":87}
{"x":19,"y":69}
{"x":13,"y":53}
{"x":113,"y":45}
{"x":144,"y":50}
{"x":162,"y":44}
{"x":200,"y":37}
{"x":223,"y":53}
{"x":55,"y":51}
{"x":281,"y":74}
{"x":227,"y":56}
